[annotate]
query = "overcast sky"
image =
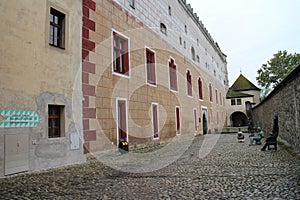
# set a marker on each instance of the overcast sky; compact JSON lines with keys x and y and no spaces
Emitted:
{"x":249,"y":32}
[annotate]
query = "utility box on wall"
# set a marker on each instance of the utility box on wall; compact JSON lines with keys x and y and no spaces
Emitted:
{"x":16,"y":153}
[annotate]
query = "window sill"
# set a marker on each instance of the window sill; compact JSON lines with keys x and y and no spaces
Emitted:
{"x":152,"y":84}
{"x":62,"y":48}
{"x":172,"y":90}
{"x":121,"y":75}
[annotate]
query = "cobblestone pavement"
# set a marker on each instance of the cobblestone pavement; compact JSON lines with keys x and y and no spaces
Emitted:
{"x":231,"y":170}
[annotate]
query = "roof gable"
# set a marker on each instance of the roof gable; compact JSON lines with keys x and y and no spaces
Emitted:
{"x":243,"y":84}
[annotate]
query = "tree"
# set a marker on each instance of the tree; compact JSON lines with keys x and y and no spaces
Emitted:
{"x":277,"y":68}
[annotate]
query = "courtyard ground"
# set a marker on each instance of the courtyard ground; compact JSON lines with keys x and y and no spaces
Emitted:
{"x":213,"y":166}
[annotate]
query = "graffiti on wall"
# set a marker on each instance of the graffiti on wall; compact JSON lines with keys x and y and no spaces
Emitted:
{"x":18,"y":118}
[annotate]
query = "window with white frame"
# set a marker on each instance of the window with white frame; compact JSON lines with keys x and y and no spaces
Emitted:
{"x":150,"y":63}
{"x":120,"y":54}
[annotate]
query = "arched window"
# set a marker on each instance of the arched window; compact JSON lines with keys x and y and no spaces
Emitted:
{"x":193,"y":53}
{"x":170,"y":11}
{"x":163,"y":28}
{"x":185,"y":28}
{"x":198,"y":59}
{"x":189,"y":83}
{"x":200,"y":88}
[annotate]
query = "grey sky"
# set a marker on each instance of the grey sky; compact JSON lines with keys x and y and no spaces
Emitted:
{"x":249,"y":32}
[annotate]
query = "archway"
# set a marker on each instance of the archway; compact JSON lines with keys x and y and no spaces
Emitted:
{"x":238,"y":119}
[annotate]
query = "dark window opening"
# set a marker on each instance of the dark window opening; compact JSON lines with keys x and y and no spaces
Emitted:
{"x":239,"y":101}
{"x":193,"y":53}
{"x":163,"y":28}
{"x":155,"y":121}
{"x":232,"y":102}
{"x":55,"y":121}
{"x":189,"y":83}
{"x":132,"y":4}
{"x":200,"y":88}
{"x":57,"y":29}
{"x":177,"y":120}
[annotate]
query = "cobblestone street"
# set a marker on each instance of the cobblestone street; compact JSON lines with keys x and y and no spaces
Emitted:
{"x":231,"y":170}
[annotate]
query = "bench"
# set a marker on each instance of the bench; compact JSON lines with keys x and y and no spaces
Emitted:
{"x":271,"y":141}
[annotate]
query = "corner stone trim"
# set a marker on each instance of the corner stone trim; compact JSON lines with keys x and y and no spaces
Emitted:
{"x":87,"y":69}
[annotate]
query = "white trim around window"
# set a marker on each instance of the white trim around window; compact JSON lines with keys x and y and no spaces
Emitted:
{"x":112,"y":53}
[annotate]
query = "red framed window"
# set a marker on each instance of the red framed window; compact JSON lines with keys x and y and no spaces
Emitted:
{"x":217,"y":101}
{"x":200,"y":88}
{"x":210,"y":93}
{"x":120,"y":54}
{"x":155,"y":121}
{"x":150,"y":62}
{"x":173,"y":75}
{"x":189,"y":83}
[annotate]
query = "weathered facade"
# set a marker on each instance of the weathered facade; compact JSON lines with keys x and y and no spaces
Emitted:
{"x":151,"y":71}
{"x":40,"y":85}
{"x":241,"y":96}
{"x":285,"y":101}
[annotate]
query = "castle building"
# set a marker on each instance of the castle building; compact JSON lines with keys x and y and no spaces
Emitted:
{"x":40,"y":85}
{"x":151,"y":72}
{"x":241,"y":97}
{"x":80,"y":76}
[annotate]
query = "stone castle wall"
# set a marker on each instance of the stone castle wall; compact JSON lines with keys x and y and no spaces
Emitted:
{"x":284,"y":100}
